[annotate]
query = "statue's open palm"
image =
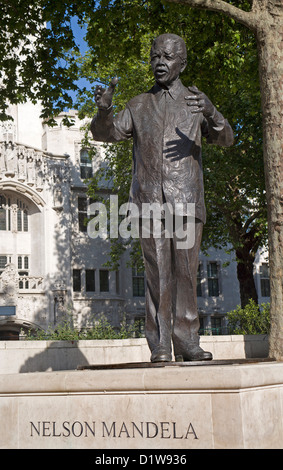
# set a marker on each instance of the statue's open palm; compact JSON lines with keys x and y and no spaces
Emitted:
{"x":103,"y":96}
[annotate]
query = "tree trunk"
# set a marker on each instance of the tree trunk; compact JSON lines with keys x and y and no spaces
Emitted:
{"x":245,"y":274}
{"x":270,"y":50}
{"x":265,"y":20}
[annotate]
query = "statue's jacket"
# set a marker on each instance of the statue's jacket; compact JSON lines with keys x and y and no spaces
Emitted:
{"x":167,"y":161}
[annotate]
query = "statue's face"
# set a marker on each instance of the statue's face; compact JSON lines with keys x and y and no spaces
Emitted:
{"x":166,"y":62}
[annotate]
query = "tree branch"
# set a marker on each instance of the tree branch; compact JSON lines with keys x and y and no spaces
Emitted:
{"x":245,"y":17}
{"x":250,"y":220}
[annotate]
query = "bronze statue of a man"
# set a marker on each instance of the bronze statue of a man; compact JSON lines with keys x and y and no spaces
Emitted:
{"x":167,"y":124}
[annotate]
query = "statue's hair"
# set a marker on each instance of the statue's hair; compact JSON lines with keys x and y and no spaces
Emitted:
{"x":181,"y":46}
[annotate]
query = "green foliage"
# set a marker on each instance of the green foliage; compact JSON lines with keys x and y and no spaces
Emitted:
{"x":100,"y":330}
{"x":41,"y":61}
{"x":252,"y":320}
{"x":222,"y":62}
{"x":38,"y":53}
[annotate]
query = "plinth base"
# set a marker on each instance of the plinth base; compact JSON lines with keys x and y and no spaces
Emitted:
{"x":177,"y":406}
{"x":144,"y":365}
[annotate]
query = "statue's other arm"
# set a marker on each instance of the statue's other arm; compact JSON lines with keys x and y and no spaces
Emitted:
{"x":215,"y":127}
{"x":104,"y":127}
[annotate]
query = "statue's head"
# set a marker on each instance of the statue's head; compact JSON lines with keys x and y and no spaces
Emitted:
{"x":168,"y":58}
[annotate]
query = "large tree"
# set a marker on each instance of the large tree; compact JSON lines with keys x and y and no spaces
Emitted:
{"x":264,"y":19}
{"x":236,"y":204}
{"x":40,"y":62}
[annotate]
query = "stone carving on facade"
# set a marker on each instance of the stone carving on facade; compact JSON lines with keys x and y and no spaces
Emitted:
{"x":57,"y":198}
{"x":30,"y":170}
{"x":22,"y":165}
{"x":59,"y":290}
{"x":2,"y":160}
{"x":10,"y":160}
{"x":7,"y":131}
{"x":32,"y":167}
{"x":39,"y":169}
{"x":60,"y":172}
{"x":9,"y":285}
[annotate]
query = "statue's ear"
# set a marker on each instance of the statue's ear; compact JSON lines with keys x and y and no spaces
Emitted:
{"x":184,"y":65}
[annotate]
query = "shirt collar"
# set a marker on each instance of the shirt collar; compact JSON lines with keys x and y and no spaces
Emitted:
{"x":174,"y":91}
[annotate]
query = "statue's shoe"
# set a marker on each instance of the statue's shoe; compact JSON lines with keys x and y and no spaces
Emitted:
{"x":196,"y":353}
{"x":161,"y":354}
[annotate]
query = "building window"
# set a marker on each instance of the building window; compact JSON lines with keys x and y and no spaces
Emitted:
{"x":77,"y":284}
{"x":201,"y":326}
{"x":85,"y":165}
{"x":4,"y":260}
{"x":83,"y":203}
{"x":21,"y":222}
{"x":138,"y":282}
{"x":199,"y":287}
{"x":23,"y":262}
{"x":90,"y":280}
{"x":22,"y":217}
{"x":216,"y":327}
{"x":104,"y":280}
{"x":2,"y":213}
{"x":23,"y":270}
{"x":5,"y":213}
{"x":264,"y":280}
{"x":213,"y":279}
{"x":82,"y":209}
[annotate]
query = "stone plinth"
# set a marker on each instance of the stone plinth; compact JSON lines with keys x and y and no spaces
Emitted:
{"x":212,"y":406}
{"x":41,"y":356}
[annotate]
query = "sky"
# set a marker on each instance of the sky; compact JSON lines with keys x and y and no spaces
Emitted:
{"x":79,"y":34}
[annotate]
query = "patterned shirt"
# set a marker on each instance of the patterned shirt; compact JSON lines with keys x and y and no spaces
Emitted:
{"x":167,"y":162}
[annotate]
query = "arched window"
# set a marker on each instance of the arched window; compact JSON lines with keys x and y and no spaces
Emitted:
{"x":16,"y":219}
{"x":2,"y":213}
{"x":22,"y":217}
{"x":5,"y":213}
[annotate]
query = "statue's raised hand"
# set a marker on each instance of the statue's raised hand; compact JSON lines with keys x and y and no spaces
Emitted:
{"x":103,"y":96}
{"x":199,"y":102}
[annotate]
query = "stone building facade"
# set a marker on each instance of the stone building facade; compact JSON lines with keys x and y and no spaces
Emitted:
{"x":50,"y":268}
